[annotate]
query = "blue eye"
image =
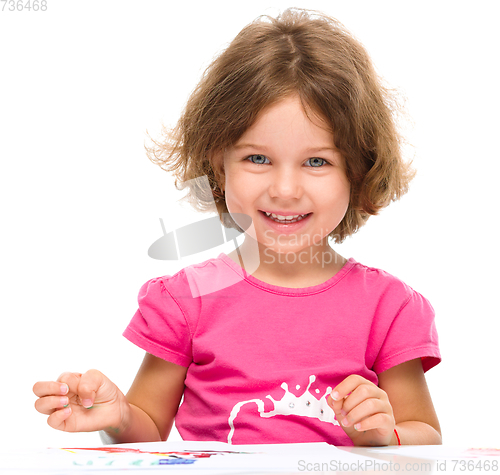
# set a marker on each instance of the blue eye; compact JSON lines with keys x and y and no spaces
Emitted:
{"x":317,"y":165}
{"x":260,"y":157}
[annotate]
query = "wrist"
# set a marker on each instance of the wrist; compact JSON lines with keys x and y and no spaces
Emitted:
{"x":121,"y":425}
{"x":135,"y":426}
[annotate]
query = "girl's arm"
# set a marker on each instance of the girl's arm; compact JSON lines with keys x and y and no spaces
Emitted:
{"x":153,"y":398}
{"x":416,"y":419}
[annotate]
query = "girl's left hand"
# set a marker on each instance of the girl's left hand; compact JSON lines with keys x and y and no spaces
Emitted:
{"x":363,"y":411}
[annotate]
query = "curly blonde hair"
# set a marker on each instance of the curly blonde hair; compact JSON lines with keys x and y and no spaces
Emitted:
{"x":300,"y":52}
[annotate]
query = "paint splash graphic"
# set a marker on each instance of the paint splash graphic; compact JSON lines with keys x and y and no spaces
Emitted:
{"x":125,"y":457}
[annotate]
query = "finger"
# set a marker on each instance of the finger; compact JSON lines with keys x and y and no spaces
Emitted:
{"x":57,"y":419}
{"x":376,"y":421}
{"x":337,"y":405}
{"x":347,"y":386}
{"x":72,"y":380}
{"x":366,"y":391}
{"x":49,"y":388}
{"x":344,"y":389}
{"x":367,"y":408}
{"x":47,"y":405}
{"x":361,"y":394}
{"x":88,"y":386}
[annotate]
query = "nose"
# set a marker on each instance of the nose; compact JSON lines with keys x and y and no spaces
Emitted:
{"x":285,"y":184}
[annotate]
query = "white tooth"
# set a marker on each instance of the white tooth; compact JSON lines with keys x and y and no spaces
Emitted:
{"x":285,"y":218}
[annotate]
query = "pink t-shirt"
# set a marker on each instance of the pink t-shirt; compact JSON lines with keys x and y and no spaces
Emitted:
{"x":261,"y":358}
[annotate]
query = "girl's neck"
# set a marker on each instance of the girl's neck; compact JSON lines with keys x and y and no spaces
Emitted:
{"x":312,"y":266}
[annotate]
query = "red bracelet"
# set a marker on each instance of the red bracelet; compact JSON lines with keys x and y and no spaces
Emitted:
{"x":397,"y":436}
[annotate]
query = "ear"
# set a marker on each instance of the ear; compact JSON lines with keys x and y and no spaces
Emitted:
{"x":217,"y":164}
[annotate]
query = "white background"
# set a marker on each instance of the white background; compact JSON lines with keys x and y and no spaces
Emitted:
{"x":82,"y":82}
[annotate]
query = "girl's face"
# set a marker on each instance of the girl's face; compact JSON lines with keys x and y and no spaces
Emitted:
{"x":287,"y":165}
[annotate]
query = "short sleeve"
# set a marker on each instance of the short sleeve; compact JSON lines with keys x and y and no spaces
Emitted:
{"x":160,"y":326}
{"x":411,"y":335}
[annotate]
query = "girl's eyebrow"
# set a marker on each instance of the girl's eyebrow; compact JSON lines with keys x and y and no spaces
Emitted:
{"x":263,"y":147}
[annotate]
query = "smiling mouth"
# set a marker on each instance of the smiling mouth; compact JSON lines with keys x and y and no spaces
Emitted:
{"x":285,"y":219}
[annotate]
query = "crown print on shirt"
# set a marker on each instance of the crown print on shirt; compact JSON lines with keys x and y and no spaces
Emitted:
{"x":306,"y":405}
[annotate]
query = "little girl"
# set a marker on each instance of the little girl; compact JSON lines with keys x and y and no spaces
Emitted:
{"x":283,"y":340}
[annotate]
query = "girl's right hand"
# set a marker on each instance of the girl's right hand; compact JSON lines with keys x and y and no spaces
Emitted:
{"x":82,"y":403}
